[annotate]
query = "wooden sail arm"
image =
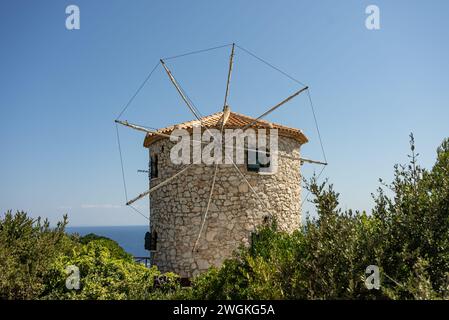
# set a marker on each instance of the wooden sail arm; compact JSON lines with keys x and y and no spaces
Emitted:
{"x":159,"y":185}
{"x":140,"y":128}
{"x":313,"y":161}
{"x":275,"y":107}
{"x":231,"y":60}
{"x":222,"y":122}
{"x":178,"y":88}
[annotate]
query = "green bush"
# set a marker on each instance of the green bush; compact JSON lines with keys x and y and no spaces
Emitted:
{"x":27,"y":247}
{"x":114,"y":248}
{"x":406,"y":236}
{"x":34,"y":260}
{"x":102,"y":276}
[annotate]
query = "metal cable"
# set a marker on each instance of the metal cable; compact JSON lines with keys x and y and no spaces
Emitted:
{"x":297,"y":81}
{"x":308,"y":191}
{"x":121,"y":162}
{"x":197,"y":51}
{"x":271,"y":66}
{"x":316,"y":124}
{"x":135,"y":209}
{"x":138,"y":90}
{"x":207,"y":207}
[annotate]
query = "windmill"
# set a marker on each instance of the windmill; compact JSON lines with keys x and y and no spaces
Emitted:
{"x":218,"y":121}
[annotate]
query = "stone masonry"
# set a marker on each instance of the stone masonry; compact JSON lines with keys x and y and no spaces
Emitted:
{"x":176,"y":209}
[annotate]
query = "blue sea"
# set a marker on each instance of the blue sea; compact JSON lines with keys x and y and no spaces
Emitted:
{"x":130,"y":238}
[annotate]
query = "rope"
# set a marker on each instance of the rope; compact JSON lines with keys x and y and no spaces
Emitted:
{"x":274,"y":108}
{"x":251,"y":187}
{"x":159,"y":185}
{"x":270,"y":65}
{"x":199,"y":115}
{"x":207,"y":208}
{"x":308,"y":191}
{"x":132,"y":99}
{"x":297,"y":81}
{"x":226,"y":112}
{"x":229,"y":76}
{"x":138,"y":90}
{"x":316,"y":125}
{"x":181,"y":91}
{"x":135,"y":209}
{"x":123,"y":173}
{"x":121,"y":162}
{"x":310,"y":102}
{"x":197,"y":51}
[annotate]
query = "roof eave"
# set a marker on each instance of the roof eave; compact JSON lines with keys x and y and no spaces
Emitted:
{"x":301,"y":138}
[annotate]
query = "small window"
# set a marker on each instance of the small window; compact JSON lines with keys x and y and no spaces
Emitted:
{"x":153,"y":246}
{"x":153,"y":166}
{"x":256,"y":160}
{"x":151,"y":241}
{"x":147,"y":244}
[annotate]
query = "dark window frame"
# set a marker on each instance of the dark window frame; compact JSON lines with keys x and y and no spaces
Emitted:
{"x":151,"y":240}
{"x":154,"y":172}
{"x":256,"y":166}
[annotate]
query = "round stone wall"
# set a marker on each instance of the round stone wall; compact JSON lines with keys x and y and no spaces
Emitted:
{"x":176,"y":209}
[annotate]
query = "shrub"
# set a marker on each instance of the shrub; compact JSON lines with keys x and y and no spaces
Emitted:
{"x":102,"y":276}
{"x":34,"y":258}
{"x":406,"y":236}
{"x":27,"y":247}
{"x":114,"y":248}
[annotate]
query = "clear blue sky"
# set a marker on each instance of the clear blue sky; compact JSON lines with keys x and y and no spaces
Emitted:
{"x":60,"y":90}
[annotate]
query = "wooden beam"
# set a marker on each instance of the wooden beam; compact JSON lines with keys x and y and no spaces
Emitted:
{"x":303,"y":159}
{"x":313,"y":161}
{"x":140,"y":128}
{"x":231,"y":60}
{"x":275,"y":107}
{"x":181,"y":93}
{"x":159,"y":185}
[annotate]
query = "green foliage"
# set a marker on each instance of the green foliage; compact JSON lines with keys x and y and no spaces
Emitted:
{"x":414,"y":224}
{"x":406,"y":236}
{"x":102,"y":275}
{"x":27,"y":247}
{"x":114,"y":248}
{"x":34,"y":260}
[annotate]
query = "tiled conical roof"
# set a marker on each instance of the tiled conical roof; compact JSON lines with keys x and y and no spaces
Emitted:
{"x":234,"y":121}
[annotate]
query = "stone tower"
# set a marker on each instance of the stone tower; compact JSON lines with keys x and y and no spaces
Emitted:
{"x":177,"y":208}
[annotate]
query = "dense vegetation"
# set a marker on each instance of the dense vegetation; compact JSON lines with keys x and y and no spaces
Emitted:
{"x":34,"y":260}
{"x":406,"y":235}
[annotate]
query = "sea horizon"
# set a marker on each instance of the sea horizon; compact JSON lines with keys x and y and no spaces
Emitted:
{"x":129,"y":237}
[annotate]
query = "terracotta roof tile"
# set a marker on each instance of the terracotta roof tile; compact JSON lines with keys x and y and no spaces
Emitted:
{"x":235,"y":120}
